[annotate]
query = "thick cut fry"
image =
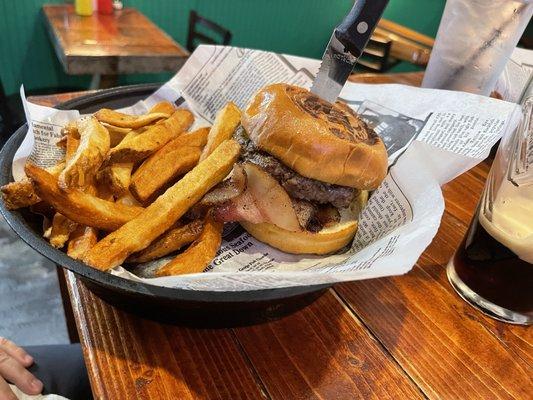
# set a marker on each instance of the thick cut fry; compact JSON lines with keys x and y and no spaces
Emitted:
{"x":81,"y":241}
{"x":81,"y":238}
{"x":71,"y":147}
{"x":145,"y":185}
{"x":139,"y":147}
{"x":21,"y":194}
{"x":197,"y":138}
{"x":169,"y":242}
{"x":56,"y":169}
{"x":199,"y":254}
{"x":172,"y":160}
{"x":165,"y":107}
{"x":78,"y":206}
{"x":117,"y":176}
{"x":226,"y":121}
{"x":71,"y":129}
{"x":62,"y":227}
{"x":62,"y":143}
{"x":128,"y":199}
{"x":116,"y":133}
{"x":89,"y":156}
{"x":122,"y":120}
{"x":138,"y":131}
{"x":164,"y":212}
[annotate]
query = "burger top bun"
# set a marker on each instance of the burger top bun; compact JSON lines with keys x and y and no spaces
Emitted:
{"x":319,"y":140}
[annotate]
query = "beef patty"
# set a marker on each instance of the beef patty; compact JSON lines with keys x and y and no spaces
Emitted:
{"x":296,"y":185}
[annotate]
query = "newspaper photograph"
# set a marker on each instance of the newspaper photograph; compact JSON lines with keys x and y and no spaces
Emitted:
{"x":431,"y":136}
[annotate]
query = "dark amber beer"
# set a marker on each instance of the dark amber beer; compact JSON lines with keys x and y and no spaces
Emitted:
{"x":493,"y":272}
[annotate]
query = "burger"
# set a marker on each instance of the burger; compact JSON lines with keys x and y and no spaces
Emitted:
{"x":304,"y":173}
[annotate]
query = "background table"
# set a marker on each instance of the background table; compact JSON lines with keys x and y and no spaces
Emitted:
{"x":124,"y":42}
{"x":402,"y":337}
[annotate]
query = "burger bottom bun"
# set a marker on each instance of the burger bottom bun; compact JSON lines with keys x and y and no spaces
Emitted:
{"x":326,"y":241}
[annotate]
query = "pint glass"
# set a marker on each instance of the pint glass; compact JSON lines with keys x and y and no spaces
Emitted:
{"x":493,"y":267}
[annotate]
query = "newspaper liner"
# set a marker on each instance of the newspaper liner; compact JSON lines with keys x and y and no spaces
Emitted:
{"x":431,"y":136}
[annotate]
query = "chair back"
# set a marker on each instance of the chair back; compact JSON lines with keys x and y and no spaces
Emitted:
{"x":376,"y":55}
{"x":195,"y":35}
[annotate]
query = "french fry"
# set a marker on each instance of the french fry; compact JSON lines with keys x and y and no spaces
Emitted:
{"x":82,"y":238}
{"x":226,"y":121}
{"x":89,"y":156}
{"x":81,"y":241}
{"x":62,"y":143}
{"x":122,"y":120}
{"x":133,"y":133}
{"x":169,"y":242}
{"x":71,"y":129}
{"x":72,"y":144}
{"x":199,"y":254}
{"x":78,"y":206}
{"x":172,"y":160}
{"x":116,"y":133}
{"x":21,"y":194}
{"x":128,"y":200}
{"x":164,"y":212}
{"x":145,"y":185}
{"x":163,"y":107}
{"x":62,"y":227}
{"x":139,"y":147}
{"x":138,"y":131}
{"x":197,"y":138}
{"x":117,"y":176}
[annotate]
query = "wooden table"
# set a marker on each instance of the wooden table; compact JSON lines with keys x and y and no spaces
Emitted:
{"x":402,"y":337}
{"x":107,"y":45}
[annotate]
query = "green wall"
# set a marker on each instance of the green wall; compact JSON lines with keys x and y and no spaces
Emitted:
{"x":300,"y":27}
{"x":26,"y":55}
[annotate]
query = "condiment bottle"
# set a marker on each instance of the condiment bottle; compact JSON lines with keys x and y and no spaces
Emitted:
{"x":105,"y":6}
{"x":84,"y":7}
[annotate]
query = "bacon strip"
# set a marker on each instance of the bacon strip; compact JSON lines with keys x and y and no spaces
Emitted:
{"x":240,"y":208}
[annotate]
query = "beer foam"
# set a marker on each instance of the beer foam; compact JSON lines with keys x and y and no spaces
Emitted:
{"x":512,"y":219}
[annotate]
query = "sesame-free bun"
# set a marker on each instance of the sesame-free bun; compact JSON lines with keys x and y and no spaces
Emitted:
{"x":327,"y":240}
{"x":319,"y":140}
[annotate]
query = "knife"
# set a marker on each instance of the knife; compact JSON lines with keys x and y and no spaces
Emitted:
{"x":345,"y":46}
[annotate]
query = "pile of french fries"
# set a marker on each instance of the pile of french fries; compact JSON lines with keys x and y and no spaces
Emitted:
{"x":127,"y":181}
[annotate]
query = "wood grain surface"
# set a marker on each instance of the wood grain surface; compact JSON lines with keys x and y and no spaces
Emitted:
{"x":323,"y":352}
{"x":401,"y":337}
{"x":123,"y":42}
{"x":132,"y":358}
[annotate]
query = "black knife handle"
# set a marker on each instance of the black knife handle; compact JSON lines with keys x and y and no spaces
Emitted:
{"x":357,"y":27}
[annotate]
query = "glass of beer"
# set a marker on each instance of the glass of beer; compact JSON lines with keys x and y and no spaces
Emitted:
{"x":493,"y":267}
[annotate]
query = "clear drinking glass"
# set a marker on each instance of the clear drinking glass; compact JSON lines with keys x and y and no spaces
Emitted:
{"x":474,"y":42}
{"x":493,"y":267}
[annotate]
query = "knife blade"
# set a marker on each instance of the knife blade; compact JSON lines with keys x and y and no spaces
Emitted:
{"x":345,"y":46}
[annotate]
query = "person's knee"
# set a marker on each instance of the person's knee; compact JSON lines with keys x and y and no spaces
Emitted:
{"x":62,"y":370}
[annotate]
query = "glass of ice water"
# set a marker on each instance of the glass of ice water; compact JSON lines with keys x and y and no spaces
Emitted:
{"x":474,"y":42}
